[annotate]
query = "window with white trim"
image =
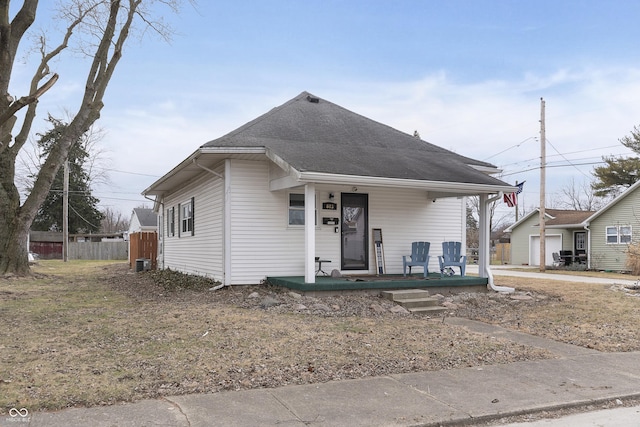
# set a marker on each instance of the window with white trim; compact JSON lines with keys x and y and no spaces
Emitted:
{"x":296,"y":209}
{"x":186,"y":217}
{"x":618,"y":234}
{"x":625,"y":233}
{"x":171,"y":221}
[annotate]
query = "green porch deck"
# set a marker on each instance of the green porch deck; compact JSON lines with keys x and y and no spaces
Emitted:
{"x":327,"y":284}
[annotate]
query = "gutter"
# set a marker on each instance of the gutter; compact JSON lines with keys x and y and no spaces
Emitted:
{"x":458,"y":187}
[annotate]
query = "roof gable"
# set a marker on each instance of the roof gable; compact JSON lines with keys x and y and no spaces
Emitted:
{"x":314,"y":135}
{"x":614,"y":202}
{"x":555,"y":218}
{"x":146,"y":217}
{"x":566,"y":217}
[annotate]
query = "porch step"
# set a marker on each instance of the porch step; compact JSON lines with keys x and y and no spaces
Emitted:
{"x":405,"y":294}
{"x":417,"y":301}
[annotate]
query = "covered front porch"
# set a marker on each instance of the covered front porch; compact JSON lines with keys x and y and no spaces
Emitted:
{"x":372,"y":283}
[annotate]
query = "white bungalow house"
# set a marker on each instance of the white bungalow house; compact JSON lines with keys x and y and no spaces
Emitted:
{"x":311,"y":179}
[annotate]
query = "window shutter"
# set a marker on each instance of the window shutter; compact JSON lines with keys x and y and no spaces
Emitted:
{"x":193,"y":215}
{"x":179,"y":219}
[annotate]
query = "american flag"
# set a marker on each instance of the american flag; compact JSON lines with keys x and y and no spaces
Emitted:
{"x":511,"y":199}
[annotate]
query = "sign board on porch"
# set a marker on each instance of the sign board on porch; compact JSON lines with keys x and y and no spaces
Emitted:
{"x":377,"y":241}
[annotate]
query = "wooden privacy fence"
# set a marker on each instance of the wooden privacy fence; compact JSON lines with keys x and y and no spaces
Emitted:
{"x":98,"y":250}
{"x":143,"y":245}
{"x":502,"y":253}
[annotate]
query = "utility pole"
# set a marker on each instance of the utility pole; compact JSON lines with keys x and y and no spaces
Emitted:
{"x":543,"y":143}
{"x":65,"y":213}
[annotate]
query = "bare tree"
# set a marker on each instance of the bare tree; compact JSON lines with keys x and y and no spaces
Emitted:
{"x":103,"y":27}
{"x":579,"y":197}
{"x":113,"y":221}
{"x":496,"y":220}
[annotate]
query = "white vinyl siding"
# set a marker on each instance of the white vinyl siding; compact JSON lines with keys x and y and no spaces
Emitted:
{"x":202,"y":253}
{"x":407,"y":216}
{"x":262,"y":243}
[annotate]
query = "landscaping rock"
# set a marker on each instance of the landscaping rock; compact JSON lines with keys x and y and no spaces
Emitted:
{"x":269,"y":301}
{"x":321,"y":307}
{"x":377,"y":308}
{"x":398,"y":309}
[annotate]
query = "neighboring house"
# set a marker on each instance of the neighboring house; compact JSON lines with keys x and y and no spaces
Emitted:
{"x":604,"y":234}
{"x":143,"y":219}
{"x":311,"y":179}
{"x":141,"y":237}
{"x":564,"y":230}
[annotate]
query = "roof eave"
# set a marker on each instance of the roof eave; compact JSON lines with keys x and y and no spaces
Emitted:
{"x":461,"y":188}
{"x":153,"y":190}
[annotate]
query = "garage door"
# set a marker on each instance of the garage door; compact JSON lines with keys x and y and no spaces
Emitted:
{"x":553,"y":243}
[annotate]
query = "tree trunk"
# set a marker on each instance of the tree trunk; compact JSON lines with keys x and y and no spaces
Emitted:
{"x":13,"y":230}
{"x":14,"y":250}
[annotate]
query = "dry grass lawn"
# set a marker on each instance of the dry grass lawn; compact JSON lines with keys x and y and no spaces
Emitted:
{"x":602,"y":317}
{"x":93,"y":333}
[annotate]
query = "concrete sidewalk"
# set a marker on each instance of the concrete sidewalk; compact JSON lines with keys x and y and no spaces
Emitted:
{"x":534,"y":273}
{"x":576,"y":377}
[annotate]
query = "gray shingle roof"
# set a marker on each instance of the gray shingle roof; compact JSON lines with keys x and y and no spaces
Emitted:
{"x":147,"y":217}
{"x":315,"y":135}
{"x":566,"y":217}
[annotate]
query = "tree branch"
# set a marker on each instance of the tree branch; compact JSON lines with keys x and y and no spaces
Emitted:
{"x":18,"y":104}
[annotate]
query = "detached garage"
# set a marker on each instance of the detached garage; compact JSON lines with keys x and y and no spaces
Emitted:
{"x":563,"y":231}
{"x":553,"y":243}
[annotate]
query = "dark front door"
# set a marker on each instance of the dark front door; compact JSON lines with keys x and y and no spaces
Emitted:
{"x":355,"y":226}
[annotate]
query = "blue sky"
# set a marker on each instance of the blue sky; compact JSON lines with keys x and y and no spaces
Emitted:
{"x":468,"y":75}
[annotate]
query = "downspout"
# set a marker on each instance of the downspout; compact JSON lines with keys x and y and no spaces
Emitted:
{"x":219,"y":175}
{"x":586,"y":227}
{"x":487,"y":251}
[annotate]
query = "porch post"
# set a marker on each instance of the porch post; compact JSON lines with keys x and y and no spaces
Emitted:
{"x":484,"y":251}
{"x":309,"y":233}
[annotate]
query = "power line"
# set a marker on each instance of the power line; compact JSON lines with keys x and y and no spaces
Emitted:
{"x":556,"y":155}
{"x":83,"y":218}
{"x":513,"y":146}
{"x":551,"y":166}
{"x":568,"y":161}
